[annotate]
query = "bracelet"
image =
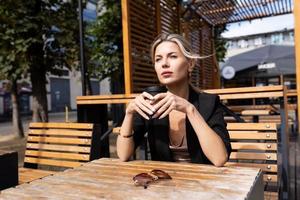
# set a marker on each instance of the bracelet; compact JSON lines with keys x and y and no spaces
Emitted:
{"x":126,"y":136}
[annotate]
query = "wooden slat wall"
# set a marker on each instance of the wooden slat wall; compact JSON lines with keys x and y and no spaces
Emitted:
{"x":148,"y":18}
{"x":199,"y":34}
{"x":192,"y":32}
{"x":143,"y":30}
{"x":169,"y":13}
{"x":207,"y":64}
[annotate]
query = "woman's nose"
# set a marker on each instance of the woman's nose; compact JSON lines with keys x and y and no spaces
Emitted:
{"x":165,"y":63}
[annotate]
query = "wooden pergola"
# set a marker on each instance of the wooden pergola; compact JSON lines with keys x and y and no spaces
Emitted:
{"x":143,"y":20}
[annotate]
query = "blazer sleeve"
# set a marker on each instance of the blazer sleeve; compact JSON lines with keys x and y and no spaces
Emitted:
{"x":139,"y":130}
{"x":218,"y":124}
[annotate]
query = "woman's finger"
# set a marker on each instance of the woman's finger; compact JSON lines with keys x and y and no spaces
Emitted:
{"x":163,"y":107}
{"x":160,"y":102}
{"x":138,"y":110}
{"x":158,"y":97}
{"x":146,"y":95}
{"x":144,"y":106}
{"x":167,"y":112}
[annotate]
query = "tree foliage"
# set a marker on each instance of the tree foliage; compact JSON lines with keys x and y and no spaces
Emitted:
{"x":106,"y":40}
{"x":37,"y":37}
{"x":220,"y":43}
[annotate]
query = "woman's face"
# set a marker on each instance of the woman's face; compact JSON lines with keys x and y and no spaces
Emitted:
{"x":170,"y":64}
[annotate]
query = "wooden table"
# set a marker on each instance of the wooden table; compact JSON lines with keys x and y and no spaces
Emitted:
{"x":112,"y":179}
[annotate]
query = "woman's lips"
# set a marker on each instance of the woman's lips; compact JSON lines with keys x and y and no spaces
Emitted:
{"x":166,"y":74}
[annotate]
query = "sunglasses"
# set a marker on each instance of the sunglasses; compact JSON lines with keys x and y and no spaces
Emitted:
{"x":144,"y":179}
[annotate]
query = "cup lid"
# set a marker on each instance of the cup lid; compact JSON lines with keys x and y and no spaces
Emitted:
{"x":156,"y":89}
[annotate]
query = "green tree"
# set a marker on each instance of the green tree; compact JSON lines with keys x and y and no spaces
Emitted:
{"x":38,"y":37}
{"x":220,"y":43}
{"x":106,"y":52}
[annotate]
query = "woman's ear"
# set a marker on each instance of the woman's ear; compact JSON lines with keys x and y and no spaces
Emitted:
{"x":191,"y":65}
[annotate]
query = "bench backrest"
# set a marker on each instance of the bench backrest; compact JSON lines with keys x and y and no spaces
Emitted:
{"x":227,"y":93}
{"x":255,"y":145}
{"x":249,"y":92}
{"x":61,"y":144}
{"x":105,"y":99}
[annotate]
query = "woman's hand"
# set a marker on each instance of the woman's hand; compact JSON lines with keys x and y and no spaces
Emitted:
{"x":164,"y":103}
{"x":142,"y":105}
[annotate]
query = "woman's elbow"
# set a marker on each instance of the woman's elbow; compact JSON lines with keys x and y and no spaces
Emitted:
{"x":123,"y":158}
{"x":221,"y":161}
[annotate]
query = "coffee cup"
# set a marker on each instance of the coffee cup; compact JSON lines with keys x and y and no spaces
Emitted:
{"x":153,"y":90}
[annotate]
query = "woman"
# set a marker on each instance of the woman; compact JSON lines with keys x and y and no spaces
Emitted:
{"x":186,"y":126}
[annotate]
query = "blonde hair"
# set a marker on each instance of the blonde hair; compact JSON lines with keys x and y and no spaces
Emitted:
{"x":182,"y":43}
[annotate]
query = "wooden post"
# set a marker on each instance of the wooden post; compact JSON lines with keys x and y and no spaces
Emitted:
{"x":297,"y":51}
{"x":126,"y":46}
{"x":158,"y":16}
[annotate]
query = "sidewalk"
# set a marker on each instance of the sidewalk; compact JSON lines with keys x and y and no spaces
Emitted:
{"x":6,"y":127}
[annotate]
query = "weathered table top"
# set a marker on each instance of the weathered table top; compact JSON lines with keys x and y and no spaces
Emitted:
{"x":112,"y":179}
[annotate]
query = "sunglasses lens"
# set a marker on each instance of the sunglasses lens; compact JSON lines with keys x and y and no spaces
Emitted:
{"x":142,"y":179}
{"x":161,"y":174}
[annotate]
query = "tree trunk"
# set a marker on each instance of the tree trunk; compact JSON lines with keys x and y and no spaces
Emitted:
{"x":16,"y":117}
{"x":89,"y":88}
{"x":39,"y":95}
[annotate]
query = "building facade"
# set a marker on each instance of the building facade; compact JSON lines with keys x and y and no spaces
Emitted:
{"x":245,"y":43}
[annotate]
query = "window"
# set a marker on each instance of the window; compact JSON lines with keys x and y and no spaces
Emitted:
{"x":291,"y":36}
{"x":277,"y":38}
{"x":242,"y":43}
{"x":257,"y":41}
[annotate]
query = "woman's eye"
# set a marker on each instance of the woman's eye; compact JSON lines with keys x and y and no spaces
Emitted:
{"x":173,"y":56}
{"x":157,"y":59}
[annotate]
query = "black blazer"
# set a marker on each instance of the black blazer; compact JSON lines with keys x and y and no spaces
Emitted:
{"x":208,"y":106}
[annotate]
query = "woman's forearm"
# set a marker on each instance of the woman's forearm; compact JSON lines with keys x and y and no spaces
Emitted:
{"x":211,"y":144}
{"x":125,"y":144}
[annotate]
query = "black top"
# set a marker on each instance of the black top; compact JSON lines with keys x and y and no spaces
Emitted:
{"x":208,"y":105}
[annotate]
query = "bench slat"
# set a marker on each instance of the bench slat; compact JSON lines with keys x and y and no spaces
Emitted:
{"x":47,"y":154}
{"x":264,"y":167}
{"x":253,"y":135}
{"x":27,"y":174}
{"x":112,"y":96}
{"x":61,"y":132}
{"x":61,"y":125}
{"x":254,"y":146}
{"x":52,"y":162}
{"x":270,"y":195}
{"x":104,"y":101}
{"x":253,"y":156}
{"x":70,"y":148}
{"x":251,"y":126}
{"x":251,"y":95}
{"x":256,"y":112}
{"x":245,"y":89}
{"x":59,"y":140}
{"x":270,"y":178}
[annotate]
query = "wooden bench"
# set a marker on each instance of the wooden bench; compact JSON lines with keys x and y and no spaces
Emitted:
{"x":256,"y":145}
{"x":54,"y":147}
{"x":278,"y":93}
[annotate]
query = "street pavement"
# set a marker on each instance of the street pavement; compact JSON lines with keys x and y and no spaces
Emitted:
{"x":6,"y":127}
